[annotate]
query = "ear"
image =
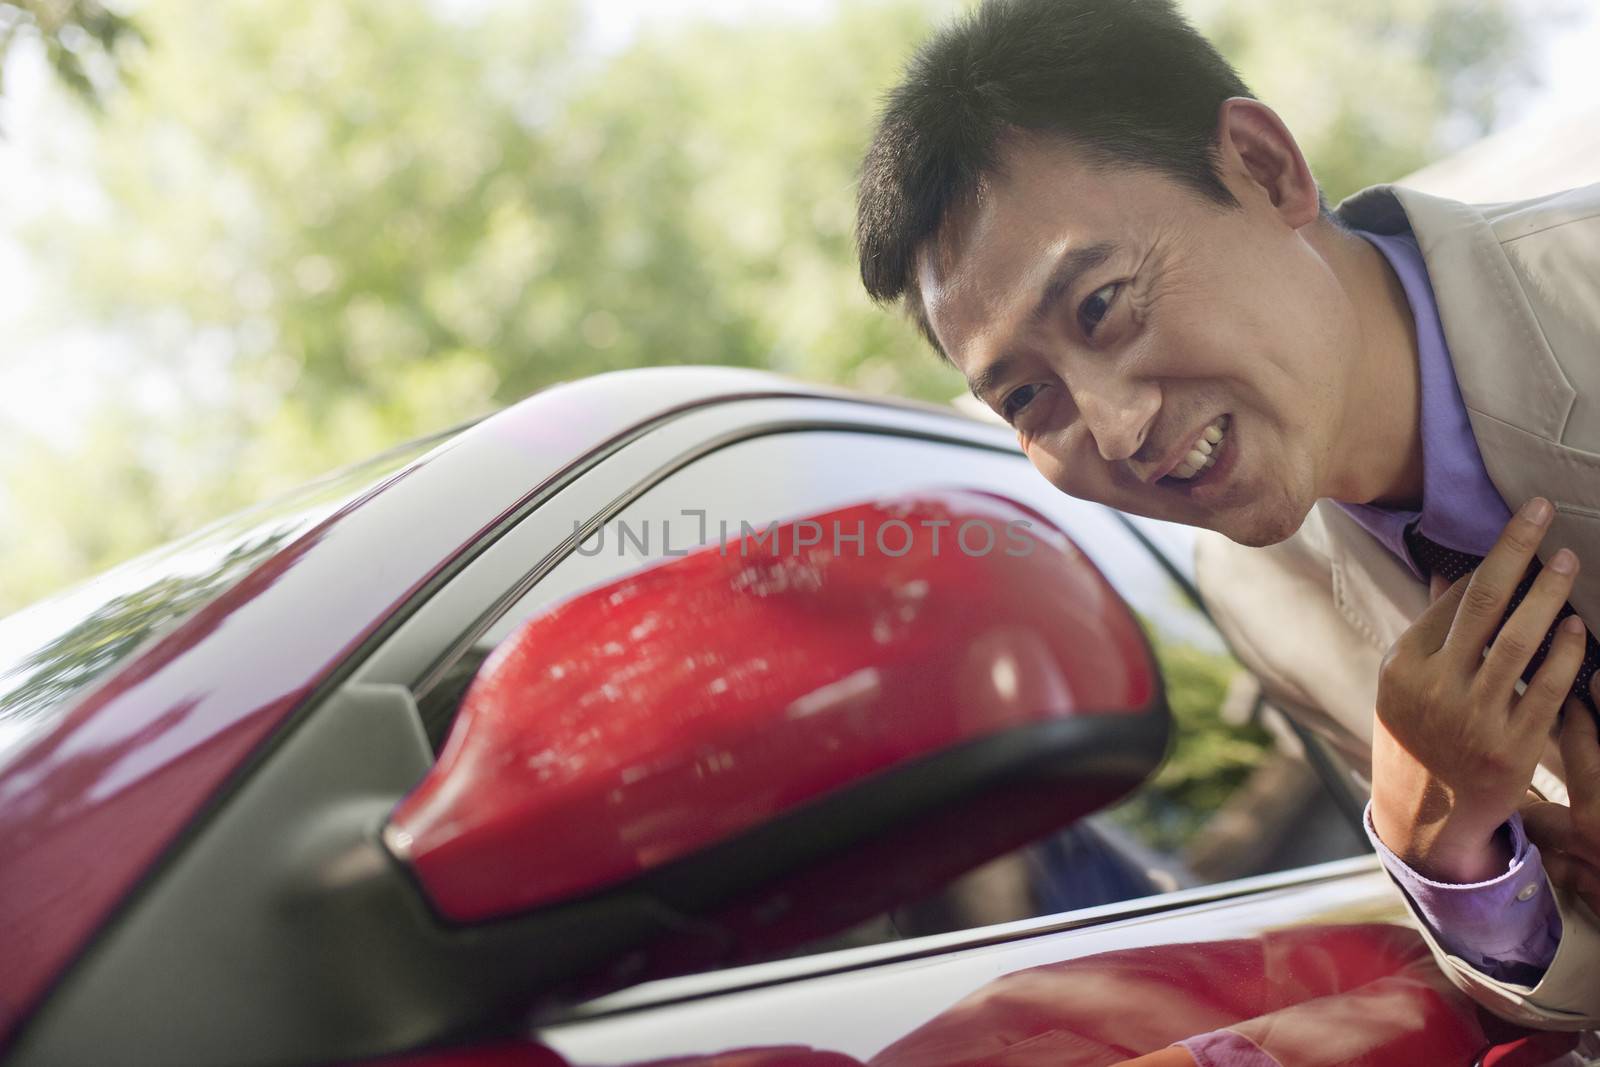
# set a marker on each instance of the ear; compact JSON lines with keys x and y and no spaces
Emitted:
{"x":1258,"y":152}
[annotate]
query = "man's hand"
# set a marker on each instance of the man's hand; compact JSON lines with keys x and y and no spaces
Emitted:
{"x":1569,"y":838}
{"x":1454,"y":746}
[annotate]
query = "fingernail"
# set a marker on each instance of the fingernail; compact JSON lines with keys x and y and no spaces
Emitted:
{"x":1537,"y":511}
{"x":1564,"y":562}
{"x":1573,"y":625}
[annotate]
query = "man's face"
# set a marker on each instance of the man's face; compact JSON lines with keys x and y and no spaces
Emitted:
{"x":1112,"y":316}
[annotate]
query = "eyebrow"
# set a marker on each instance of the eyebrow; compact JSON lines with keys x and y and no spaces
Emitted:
{"x":1070,"y":266}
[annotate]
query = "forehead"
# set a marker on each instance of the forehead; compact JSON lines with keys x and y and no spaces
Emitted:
{"x":984,"y":269}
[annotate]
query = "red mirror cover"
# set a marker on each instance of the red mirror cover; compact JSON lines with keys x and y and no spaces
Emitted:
{"x":699,"y":697}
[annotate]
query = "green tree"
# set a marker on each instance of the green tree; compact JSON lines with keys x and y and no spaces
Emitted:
{"x":86,"y":42}
{"x":1375,"y":89}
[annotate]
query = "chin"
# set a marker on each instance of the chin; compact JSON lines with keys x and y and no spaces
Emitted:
{"x":1261,"y":527}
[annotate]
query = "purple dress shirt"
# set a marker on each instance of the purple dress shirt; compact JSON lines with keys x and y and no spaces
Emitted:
{"x":1508,"y":927}
{"x":1492,"y":925}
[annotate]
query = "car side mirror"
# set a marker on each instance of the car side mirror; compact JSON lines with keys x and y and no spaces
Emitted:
{"x":780,"y":736}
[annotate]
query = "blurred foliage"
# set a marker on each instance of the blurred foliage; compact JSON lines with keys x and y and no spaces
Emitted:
{"x":1209,"y":759}
{"x":1375,"y":89}
{"x":86,"y":42}
{"x":325,"y":227}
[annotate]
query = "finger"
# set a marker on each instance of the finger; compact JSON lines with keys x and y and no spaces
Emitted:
{"x":1483,"y":604}
{"x":1580,"y":749}
{"x":1427,"y":633}
{"x":1580,"y":757}
{"x":1519,"y":638}
{"x":1551,"y":684}
{"x":1438,"y":585}
{"x":1548,"y":825}
{"x":1575,"y":875}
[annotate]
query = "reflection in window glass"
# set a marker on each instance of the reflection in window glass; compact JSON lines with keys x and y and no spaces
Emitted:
{"x":51,"y":652}
{"x":1236,"y":796}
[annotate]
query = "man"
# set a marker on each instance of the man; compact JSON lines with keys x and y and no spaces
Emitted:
{"x":1084,"y":210}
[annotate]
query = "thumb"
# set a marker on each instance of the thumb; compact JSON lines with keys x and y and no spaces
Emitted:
{"x":1548,"y":825}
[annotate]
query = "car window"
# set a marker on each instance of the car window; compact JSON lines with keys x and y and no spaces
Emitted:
{"x":1237,"y":795}
{"x":53,"y":651}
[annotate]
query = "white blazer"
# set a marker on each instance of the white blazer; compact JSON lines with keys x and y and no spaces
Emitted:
{"x":1518,"y":290}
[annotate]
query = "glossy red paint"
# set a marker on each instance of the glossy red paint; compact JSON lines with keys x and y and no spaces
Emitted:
{"x":87,"y":807}
{"x":1365,"y":995}
{"x":782,"y":1056}
{"x":1319,"y":995}
{"x":1530,"y":1049}
{"x":525,"y":1055}
{"x":673,"y":709}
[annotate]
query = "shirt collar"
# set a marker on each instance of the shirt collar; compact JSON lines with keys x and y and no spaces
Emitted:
{"x":1461,"y":509}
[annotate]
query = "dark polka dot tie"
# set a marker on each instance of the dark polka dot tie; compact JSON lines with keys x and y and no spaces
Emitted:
{"x":1433,"y":558}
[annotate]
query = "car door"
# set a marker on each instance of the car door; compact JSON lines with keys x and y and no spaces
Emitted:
{"x":284,"y":932}
{"x":742,"y":466}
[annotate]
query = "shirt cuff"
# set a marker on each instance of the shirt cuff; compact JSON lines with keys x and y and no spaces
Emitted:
{"x":1507,"y":927}
{"x":1224,"y":1048}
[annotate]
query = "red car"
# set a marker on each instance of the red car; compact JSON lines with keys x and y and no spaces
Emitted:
{"x":688,"y":716}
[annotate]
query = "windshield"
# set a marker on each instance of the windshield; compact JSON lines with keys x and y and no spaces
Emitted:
{"x":53,"y":651}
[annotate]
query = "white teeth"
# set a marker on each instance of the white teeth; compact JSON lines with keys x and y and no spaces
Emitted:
{"x":1202,"y":455}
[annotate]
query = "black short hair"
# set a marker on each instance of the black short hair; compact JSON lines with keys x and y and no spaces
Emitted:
{"x":1129,"y":81}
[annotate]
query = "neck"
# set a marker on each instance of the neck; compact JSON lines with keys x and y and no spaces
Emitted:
{"x":1379,"y":442}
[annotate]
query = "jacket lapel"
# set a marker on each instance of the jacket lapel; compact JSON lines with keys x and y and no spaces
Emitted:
{"x":1372,"y":589}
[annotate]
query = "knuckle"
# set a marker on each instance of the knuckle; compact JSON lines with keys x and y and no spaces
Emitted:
{"x":1521,"y":543}
{"x":1396,"y":671}
{"x":1524,"y":536}
{"x":1586,"y":825}
{"x":1515,"y":644}
{"x":1551,"y":686}
{"x":1481,"y":600}
{"x":1438,"y":692}
{"x":1495,"y":761}
{"x":1481,"y":693}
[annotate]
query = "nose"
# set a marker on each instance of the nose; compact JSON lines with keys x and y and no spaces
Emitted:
{"x":1118,"y":415}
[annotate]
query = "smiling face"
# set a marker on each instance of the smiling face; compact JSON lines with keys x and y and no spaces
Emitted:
{"x":1112,"y":316}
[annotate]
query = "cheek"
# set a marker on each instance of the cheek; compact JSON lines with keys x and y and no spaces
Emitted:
{"x":1054,"y":463}
{"x":1085,"y":477}
{"x":1055,"y":448}
{"x":1046,"y":462}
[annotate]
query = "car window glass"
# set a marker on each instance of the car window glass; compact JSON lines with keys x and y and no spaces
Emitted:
{"x":52,"y":651}
{"x":1236,"y":796}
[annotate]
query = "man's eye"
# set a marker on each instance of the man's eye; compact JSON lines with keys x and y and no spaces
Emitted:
{"x":1097,"y":306}
{"x":1016,"y":400}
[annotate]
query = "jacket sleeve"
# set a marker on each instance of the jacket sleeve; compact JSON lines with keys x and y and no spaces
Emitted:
{"x":1324,"y":673}
{"x":1566,"y":998}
